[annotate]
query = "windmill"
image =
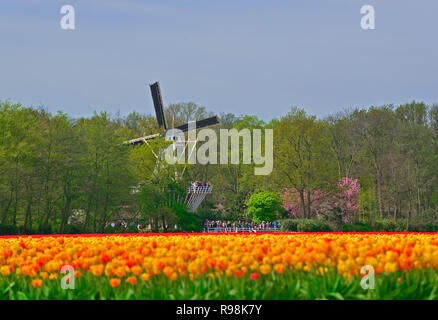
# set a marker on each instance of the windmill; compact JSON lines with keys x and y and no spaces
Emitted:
{"x":196,"y":193}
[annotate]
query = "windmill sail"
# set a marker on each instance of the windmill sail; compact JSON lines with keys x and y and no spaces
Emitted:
{"x":158,"y":104}
{"x":161,"y":119}
{"x":199,"y":124}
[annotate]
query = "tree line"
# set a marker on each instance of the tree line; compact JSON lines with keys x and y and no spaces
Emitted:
{"x":53,"y":167}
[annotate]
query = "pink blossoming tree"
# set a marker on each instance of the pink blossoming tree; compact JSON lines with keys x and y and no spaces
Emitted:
{"x":342,"y":201}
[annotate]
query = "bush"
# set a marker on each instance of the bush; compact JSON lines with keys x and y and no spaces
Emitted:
{"x":8,"y":230}
{"x":72,"y":229}
{"x":304,"y":225}
{"x":132,"y":229}
{"x":187,"y":221}
{"x":109,"y":229}
{"x":401,"y":225}
{"x":424,"y":227}
{"x":45,"y":230}
{"x":210,"y":215}
{"x":312,"y":225}
{"x":289,"y":225}
{"x":356,"y":227}
{"x":389,"y":225}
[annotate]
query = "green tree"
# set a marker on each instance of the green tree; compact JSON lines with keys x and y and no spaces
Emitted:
{"x":155,"y":209}
{"x":302,"y":158}
{"x":109,"y":178}
{"x":264,"y":206}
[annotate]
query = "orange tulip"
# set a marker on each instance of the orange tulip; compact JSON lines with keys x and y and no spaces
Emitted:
{"x":145,"y":277}
{"x":132,"y":280}
{"x":279,"y":268}
{"x":114,"y":282}
{"x":36,"y":283}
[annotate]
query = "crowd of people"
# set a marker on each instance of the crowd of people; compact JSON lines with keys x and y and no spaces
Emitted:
{"x":122,"y":226}
{"x":208,"y":226}
{"x":197,"y":184}
{"x":240,"y":226}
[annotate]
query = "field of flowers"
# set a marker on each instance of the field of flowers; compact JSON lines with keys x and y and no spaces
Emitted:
{"x":220,"y":266}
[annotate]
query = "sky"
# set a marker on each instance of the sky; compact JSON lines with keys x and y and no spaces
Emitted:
{"x":241,"y":56}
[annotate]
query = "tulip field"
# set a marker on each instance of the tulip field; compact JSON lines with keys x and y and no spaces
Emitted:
{"x":220,"y":266}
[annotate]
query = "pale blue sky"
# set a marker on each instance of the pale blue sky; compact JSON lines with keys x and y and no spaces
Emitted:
{"x":240,"y":56}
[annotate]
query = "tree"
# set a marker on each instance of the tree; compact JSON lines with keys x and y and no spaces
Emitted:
{"x":187,"y":221}
{"x":264,"y":206}
{"x":343,"y":138}
{"x":150,"y":200}
{"x":341,"y":201}
{"x":180,"y":113}
{"x":164,"y":206}
{"x":302,"y":159}
{"x":109,"y":179}
{"x":377,"y":126}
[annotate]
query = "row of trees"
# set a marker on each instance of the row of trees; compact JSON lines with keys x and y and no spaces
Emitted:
{"x":392,"y":152}
{"x":53,"y":167}
{"x":363,"y":164}
{"x":55,"y":171}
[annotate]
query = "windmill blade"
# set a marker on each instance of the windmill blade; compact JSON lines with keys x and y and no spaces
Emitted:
{"x":158,"y":104}
{"x":200,"y":124}
{"x":142,"y":140}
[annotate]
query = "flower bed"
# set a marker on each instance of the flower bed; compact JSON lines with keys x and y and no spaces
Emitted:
{"x":220,"y":266}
